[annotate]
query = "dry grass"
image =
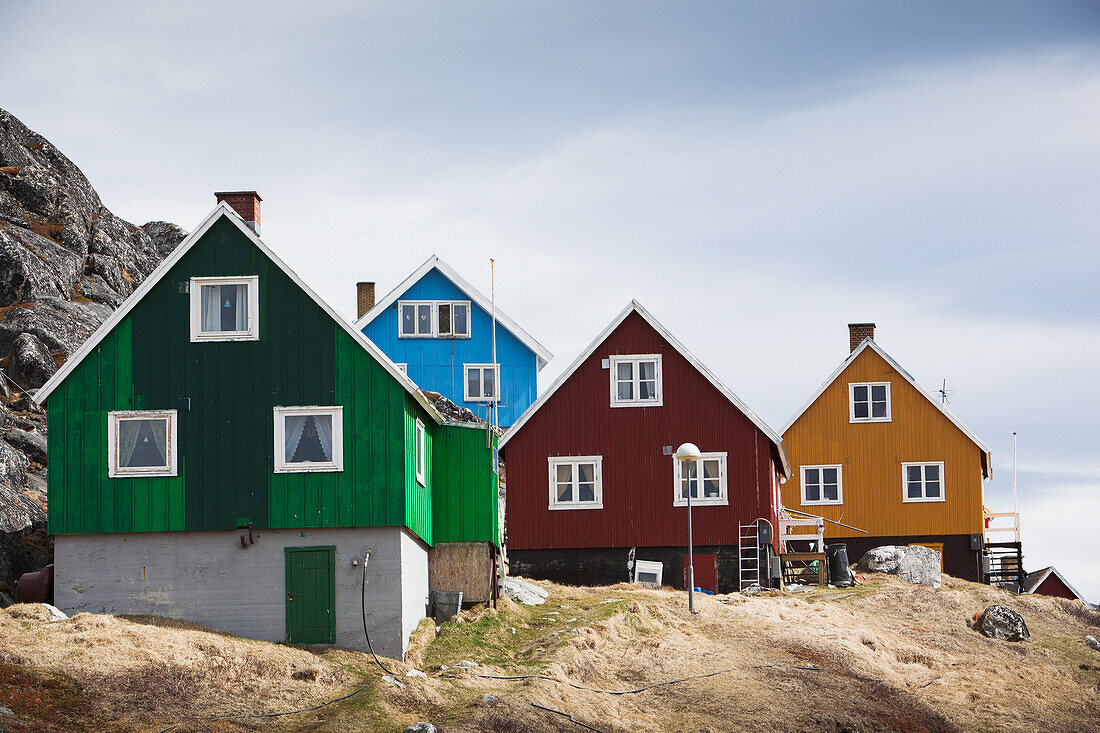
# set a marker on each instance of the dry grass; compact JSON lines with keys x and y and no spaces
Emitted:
{"x":883,"y":657}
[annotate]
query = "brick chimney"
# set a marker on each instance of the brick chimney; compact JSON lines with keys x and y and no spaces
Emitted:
{"x":364,"y":297}
{"x":859,"y":331}
{"x":246,"y":204}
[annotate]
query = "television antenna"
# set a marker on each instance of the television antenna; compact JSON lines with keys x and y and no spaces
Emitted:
{"x":945,"y":394}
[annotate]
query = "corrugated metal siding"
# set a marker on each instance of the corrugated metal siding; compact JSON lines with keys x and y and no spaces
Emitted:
{"x":872,"y":454}
{"x":418,"y":499}
{"x":225,"y":434}
{"x":436,"y":364}
{"x":465,"y":489}
{"x":638,"y":486}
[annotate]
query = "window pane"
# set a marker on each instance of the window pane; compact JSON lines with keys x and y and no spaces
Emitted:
{"x":489,"y":381}
{"x":143,"y":443}
{"x":878,"y":392}
{"x":859,"y":393}
{"x":932,"y":489}
{"x":828,"y":475}
{"x":625,"y":370}
{"x":914,"y":490}
{"x":461,"y":319}
{"x":813,"y":492}
{"x":586,"y":472}
{"x":860,"y":410}
{"x":408,"y":320}
{"x":811,"y":476}
{"x":647,"y":577}
{"x":586,"y":492}
{"x":626,"y":390}
{"x":424,"y":319}
{"x":647,"y":370}
{"x":307,"y":438}
{"x":912,"y":473}
{"x":565,"y":492}
{"x":931,"y":473}
{"x":878,"y":409}
{"x":830,"y":492}
{"x":712,"y":488}
{"x":473,"y":382}
{"x":444,"y":318}
{"x":647,"y":390}
{"x":565,"y":473}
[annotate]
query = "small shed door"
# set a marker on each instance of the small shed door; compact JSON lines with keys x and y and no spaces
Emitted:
{"x":706,"y":572}
{"x":310,"y":595}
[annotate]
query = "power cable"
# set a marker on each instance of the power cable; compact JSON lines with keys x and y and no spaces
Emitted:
{"x":364,"y":608}
{"x":264,"y":715}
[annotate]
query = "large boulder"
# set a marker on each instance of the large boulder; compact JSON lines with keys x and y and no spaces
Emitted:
{"x":1000,"y":622}
{"x":911,"y":563}
{"x":31,"y":362}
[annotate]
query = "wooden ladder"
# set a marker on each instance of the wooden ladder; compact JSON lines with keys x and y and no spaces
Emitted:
{"x":748,"y":555}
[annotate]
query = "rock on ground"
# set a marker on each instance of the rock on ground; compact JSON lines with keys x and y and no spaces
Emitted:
{"x":521,"y":591}
{"x":999,"y":622}
{"x":1092,"y":643}
{"x":421,"y":727}
{"x":911,"y":563}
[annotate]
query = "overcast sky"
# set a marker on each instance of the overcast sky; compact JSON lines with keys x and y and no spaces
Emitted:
{"x":757,"y":178}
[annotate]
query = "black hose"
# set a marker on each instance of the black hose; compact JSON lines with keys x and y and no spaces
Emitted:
{"x":566,"y":715}
{"x":364,"y":607}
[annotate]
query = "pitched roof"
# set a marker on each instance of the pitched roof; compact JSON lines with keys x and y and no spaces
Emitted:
{"x":868,"y":343}
{"x":224,"y":210}
{"x":636,"y":307}
{"x":435,"y":262}
{"x":1033,"y":580}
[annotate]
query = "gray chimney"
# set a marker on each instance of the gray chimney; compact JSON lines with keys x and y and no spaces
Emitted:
{"x":857,"y":332}
{"x":364,"y":297}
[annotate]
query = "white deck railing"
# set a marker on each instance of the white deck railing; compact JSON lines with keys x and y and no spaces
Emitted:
{"x":996,"y":531}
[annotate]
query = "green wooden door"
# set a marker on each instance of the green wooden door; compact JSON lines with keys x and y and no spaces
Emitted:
{"x":311,"y":595}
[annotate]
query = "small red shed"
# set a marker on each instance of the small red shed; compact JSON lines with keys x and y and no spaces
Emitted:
{"x":1050,"y":582}
{"x":594,"y":492}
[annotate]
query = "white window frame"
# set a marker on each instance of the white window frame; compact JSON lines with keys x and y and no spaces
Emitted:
{"x":659,"y":391}
{"x":723,"y":482}
{"x":252,"y":333}
{"x":116,"y":471}
{"x":435,"y":332}
{"x":466,"y":396}
{"x":420,"y":453}
{"x":649,"y":566}
{"x":555,"y":461}
{"x":852,"y":402}
{"x":822,"y":501}
{"x":923,"y":498}
{"x":337,"y":462}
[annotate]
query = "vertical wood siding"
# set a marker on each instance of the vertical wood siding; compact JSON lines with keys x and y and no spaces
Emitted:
{"x":225,"y":392}
{"x":872,"y":454}
{"x":465,"y":487}
{"x":638,"y":486}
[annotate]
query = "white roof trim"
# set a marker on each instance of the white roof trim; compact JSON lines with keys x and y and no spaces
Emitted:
{"x":869,"y":343}
{"x":1046,"y":574}
{"x":223,"y":209}
{"x":680,"y":348}
{"x":435,"y":262}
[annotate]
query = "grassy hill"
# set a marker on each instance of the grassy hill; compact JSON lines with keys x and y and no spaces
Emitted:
{"x":885,"y":656}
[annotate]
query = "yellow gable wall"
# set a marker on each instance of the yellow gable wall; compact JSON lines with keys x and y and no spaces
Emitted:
{"x":872,"y":454}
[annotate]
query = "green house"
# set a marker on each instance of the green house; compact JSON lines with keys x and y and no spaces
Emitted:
{"x":228,"y":450}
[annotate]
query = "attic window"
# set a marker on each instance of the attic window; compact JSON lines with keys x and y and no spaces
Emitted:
{"x":869,"y":402}
{"x":636,"y":380}
{"x":141,"y":443}
{"x":309,"y":439}
{"x":433,"y":319}
{"x":225,"y":308}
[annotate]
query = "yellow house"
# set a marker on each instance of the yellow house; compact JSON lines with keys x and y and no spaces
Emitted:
{"x":875,"y":451}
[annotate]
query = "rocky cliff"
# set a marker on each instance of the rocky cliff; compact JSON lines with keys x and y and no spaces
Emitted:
{"x":66,"y":262}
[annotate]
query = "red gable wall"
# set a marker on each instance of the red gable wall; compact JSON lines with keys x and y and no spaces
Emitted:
{"x":1053,"y":586}
{"x":638,"y":488}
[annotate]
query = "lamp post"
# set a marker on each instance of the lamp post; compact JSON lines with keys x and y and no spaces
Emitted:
{"x":688,"y":453}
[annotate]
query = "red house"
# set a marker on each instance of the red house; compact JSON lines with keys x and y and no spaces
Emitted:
{"x":595,"y":495}
{"x":1050,"y":582}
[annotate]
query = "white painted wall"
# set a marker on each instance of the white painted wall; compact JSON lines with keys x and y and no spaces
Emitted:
{"x":208,"y":578}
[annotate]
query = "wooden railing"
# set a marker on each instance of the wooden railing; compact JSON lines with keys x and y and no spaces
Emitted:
{"x":1002,"y":533}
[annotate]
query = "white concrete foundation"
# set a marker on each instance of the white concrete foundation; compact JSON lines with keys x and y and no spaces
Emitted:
{"x":208,"y":578}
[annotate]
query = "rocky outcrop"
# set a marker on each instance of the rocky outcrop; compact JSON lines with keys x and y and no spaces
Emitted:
{"x":66,"y":263}
{"x":911,"y":563}
{"x":1000,"y":622}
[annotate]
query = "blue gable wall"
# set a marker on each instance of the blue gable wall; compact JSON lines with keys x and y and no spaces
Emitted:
{"x":436,"y":364}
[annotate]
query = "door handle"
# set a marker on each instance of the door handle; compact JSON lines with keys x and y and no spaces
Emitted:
{"x":290,"y":596}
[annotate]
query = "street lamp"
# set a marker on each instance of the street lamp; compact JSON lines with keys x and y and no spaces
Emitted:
{"x":685,"y":454}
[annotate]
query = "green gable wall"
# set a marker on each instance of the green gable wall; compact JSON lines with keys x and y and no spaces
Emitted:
{"x":465,"y":487}
{"x":224,"y":393}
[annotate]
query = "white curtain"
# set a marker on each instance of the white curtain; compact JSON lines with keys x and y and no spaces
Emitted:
{"x":242,"y":307}
{"x":127,"y":440}
{"x":293,"y":425}
{"x":211,"y":308}
{"x":324,"y":433}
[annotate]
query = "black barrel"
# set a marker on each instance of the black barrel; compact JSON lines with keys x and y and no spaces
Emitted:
{"x":837,"y":558}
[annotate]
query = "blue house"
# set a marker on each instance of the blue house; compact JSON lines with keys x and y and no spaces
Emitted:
{"x":438,"y":327}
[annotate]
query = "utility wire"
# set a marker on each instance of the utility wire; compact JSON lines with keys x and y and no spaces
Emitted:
{"x":264,"y":715}
{"x":565,"y":715}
